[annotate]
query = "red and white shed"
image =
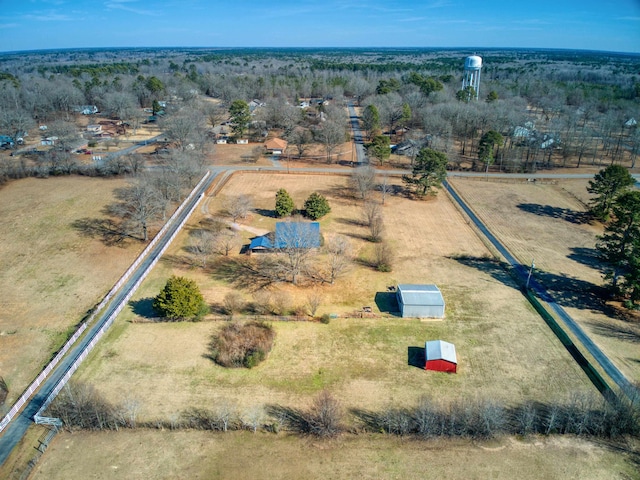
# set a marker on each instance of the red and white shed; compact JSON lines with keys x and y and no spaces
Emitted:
{"x":440,"y":356}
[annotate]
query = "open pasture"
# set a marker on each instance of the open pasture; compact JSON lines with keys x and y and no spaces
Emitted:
{"x":548,"y":223}
{"x":506,"y":352}
{"x":50,"y":273}
{"x":202,"y":455}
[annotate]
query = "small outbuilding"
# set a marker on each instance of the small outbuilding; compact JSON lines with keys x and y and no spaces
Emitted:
{"x":420,"y":301}
{"x":440,"y":356}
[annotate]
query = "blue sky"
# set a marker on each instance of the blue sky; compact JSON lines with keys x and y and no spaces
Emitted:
{"x":586,"y":24}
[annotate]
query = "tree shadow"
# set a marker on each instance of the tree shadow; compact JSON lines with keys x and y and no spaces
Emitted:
{"x":616,"y":330}
{"x":266,"y":212}
{"x":350,"y":222}
{"x":291,"y":418}
{"x":108,"y":231}
{"x":245,"y":273}
{"x":143,"y":308}
{"x":588,"y":257}
{"x":565,"y":290}
{"x":566,"y":214}
{"x":387,"y":302}
{"x":416,"y":357}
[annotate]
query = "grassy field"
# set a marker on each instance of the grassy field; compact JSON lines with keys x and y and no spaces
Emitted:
{"x":201,"y":455}
{"x":50,"y":273}
{"x":505,"y":350}
{"x":548,"y":223}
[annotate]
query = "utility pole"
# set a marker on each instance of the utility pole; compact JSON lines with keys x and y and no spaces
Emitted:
{"x":533,"y":265}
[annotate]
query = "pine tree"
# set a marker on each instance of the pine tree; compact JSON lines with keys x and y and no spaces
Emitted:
{"x":284,"y":203}
{"x":606,"y":185}
{"x":316,"y":206}
{"x":619,"y":247}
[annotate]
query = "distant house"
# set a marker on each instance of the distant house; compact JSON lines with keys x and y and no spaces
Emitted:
{"x":86,"y":109}
{"x":94,"y":128}
{"x":242,"y":141}
{"x":255,"y":104}
{"x":440,"y":356}
{"x":275,"y":146}
{"x":304,"y":235}
{"x":420,"y":301}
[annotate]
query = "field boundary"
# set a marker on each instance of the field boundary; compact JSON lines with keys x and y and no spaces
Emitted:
{"x":17,"y":406}
{"x":519,"y":272}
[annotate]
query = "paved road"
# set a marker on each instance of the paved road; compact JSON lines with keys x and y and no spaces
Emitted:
{"x":19,"y":425}
{"x":522,"y":271}
{"x":357,"y":135}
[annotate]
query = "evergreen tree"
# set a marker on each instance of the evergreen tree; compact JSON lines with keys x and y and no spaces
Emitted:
{"x":180,"y":299}
{"x":316,"y":206}
{"x":240,"y":117}
{"x":607,"y":184}
{"x":429,"y":171}
{"x":380,"y":148}
{"x":284,"y":203}
{"x":619,"y":247}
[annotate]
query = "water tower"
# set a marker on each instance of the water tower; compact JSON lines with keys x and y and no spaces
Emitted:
{"x":471,"y":78}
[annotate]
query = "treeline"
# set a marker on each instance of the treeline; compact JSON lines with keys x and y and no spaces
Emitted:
{"x":80,"y":406}
{"x":118,"y":68}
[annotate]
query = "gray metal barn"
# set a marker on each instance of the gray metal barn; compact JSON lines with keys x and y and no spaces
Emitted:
{"x":420,"y":301}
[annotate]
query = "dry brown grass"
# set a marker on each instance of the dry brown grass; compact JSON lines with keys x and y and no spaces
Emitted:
{"x":238,"y":455}
{"x":505,"y":350}
{"x":50,"y":274}
{"x":546,"y":223}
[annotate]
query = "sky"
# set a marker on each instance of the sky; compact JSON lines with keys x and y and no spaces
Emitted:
{"x":586,"y":24}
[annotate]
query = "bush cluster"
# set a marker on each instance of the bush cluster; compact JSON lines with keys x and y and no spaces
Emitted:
{"x":242,"y":345}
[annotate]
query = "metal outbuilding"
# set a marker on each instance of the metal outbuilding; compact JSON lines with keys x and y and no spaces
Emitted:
{"x":440,"y":356}
{"x":420,"y":301}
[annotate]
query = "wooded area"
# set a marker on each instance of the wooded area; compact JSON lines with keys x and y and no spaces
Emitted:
{"x":552,"y":108}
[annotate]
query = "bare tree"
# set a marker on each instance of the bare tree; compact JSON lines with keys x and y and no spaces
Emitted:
{"x":331,"y":134}
{"x":339,"y":252}
{"x":237,"y":206}
{"x":385,"y":188}
{"x":362,"y":181}
{"x":296,"y":246}
{"x":314,"y":300}
{"x":373,"y":219}
{"x":302,"y":139}
{"x":140,"y":205}
{"x":325,"y":416}
{"x":383,"y":257}
{"x":225,"y":241}
{"x":234,"y":303}
{"x":202,"y":246}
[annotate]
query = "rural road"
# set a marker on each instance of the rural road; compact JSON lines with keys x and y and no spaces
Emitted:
{"x":357,"y":135}
{"x":19,"y":425}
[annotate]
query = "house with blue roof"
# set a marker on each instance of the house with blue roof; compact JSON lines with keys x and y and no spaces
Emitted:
{"x":299,"y":235}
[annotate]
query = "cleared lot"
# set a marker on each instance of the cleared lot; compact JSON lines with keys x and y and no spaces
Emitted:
{"x":506,"y":351}
{"x":50,"y":273}
{"x":548,"y":223}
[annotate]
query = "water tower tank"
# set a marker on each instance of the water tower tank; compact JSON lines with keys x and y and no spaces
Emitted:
{"x":473,"y":63}
{"x":471,"y":78}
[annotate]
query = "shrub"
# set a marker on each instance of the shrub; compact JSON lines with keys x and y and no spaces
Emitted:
{"x":179,"y":299}
{"x":242,"y":345}
{"x":325,"y":318}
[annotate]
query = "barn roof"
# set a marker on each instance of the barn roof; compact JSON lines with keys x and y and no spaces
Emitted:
{"x":440,"y":350}
{"x":289,"y":235}
{"x":420,"y":294}
{"x":297,"y":235}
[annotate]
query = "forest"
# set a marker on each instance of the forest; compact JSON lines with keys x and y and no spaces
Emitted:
{"x":541,"y":109}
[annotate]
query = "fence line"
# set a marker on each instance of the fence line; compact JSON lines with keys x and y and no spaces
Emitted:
{"x":17,"y":406}
{"x":38,"y":417}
